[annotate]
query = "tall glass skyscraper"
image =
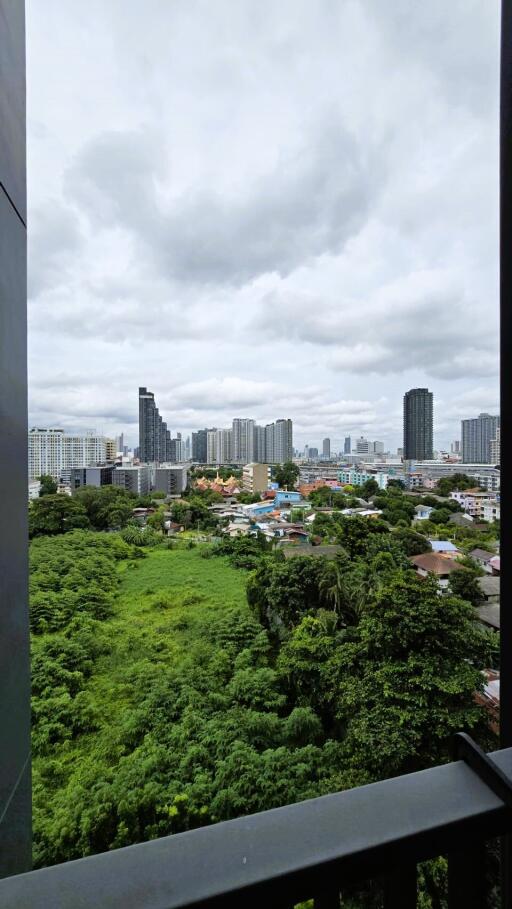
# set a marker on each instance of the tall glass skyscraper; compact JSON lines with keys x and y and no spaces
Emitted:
{"x":418,"y":425}
{"x":154,"y":437}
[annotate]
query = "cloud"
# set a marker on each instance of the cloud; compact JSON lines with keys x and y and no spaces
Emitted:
{"x":261,"y":210}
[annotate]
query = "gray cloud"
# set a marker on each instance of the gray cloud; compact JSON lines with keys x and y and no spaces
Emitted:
{"x":284,"y":210}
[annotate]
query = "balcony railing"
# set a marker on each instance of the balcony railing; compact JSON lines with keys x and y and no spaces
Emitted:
{"x":310,"y":850}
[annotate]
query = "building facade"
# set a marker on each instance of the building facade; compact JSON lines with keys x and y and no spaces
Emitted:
{"x":54,"y":452}
{"x":15,"y":796}
{"x":326,"y":449}
{"x":154,"y":436}
{"x":101,"y":475}
{"x":495,"y":448}
{"x":347,"y":446}
{"x":134,"y":478}
{"x":243,"y":440}
{"x":476,"y":436}
{"x":418,"y":424}
{"x":256,"y":477}
{"x":172,"y":479}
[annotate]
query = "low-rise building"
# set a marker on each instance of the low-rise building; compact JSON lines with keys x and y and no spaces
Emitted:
{"x":354,"y":477}
{"x":34,"y":488}
{"x":134,"y":478}
{"x":438,"y":565}
{"x":422,"y":512}
{"x":100,"y":475}
{"x":255,"y":477}
{"x":483,"y":558}
{"x":489,"y":587}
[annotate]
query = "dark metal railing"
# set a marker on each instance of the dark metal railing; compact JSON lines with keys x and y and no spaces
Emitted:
{"x":309,"y":850}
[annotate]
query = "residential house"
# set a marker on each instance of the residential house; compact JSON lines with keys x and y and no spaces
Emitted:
{"x":445,"y":547}
{"x":489,"y":589}
{"x":422,"y":512}
{"x":483,"y":558}
{"x":438,"y":565}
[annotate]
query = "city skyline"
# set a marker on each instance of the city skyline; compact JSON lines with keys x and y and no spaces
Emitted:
{"x":150,"y":221}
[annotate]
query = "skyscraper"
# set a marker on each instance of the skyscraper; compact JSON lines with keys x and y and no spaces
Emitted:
{"x":347,"y":448}
{"x":418,"y":425}
{"x":326,"y":449}
{"x":243,"y":441}
{"x":476,"y":435}
{"x":154,"y":437}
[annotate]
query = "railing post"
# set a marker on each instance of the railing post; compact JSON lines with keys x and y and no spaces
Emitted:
{"x":466,"y":878}
{"x":401,"y":888}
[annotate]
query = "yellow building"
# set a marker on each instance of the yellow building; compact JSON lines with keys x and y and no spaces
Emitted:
{"x":255,"y":477}
{"x":110,"y":447}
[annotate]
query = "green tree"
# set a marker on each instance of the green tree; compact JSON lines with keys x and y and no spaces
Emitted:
{"x":409,"y":681}
{"x":55,"y":514}
{"x":48,"y":485}
{"x":286,"y":475}
{"x":107,"y":507}
{"x":465,"y":584}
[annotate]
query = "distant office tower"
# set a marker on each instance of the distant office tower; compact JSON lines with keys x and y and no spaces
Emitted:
{"x":455,"y":447}
{"x":120,"y":443}
{"x":347,"y":448}
{"x":476,"y":438}
{"x":378,"y":447}
{"x":313,"y":453}
{"x":243,"y":441}
{"x":187,"y":448}
{"x":362,"y":446}
{"x":418,"y":425}
{"x":495,"y":445}
{"x":154,"y":437}
{"x":52,"y":452}
{"x":326,"y":449}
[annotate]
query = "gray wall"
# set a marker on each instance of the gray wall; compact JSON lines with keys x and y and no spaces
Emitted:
{"x":15,"y":811}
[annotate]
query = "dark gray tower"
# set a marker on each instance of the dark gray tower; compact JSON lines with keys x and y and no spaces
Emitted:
{"x":154,"y":437}
{"x":15,"y":798}
{"x":418,"y":425}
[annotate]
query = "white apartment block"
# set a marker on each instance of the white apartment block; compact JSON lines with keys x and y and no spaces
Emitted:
{"x":53,"y":452}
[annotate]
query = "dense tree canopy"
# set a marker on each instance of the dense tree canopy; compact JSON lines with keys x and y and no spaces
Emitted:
{"x":286,"y":475}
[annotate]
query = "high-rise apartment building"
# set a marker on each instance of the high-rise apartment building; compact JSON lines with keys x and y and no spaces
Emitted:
{"x":53,"y":452}
{"x":199,"y":446}
{"x":211,"y":446}
{"x":418,"y":425}
{"x":326,"y":449}
{"x":154,"y":437}
{"x":347,"y":447}
{"x":362,"y":446}
{"x":378,"y":448}
{"x":282,"y":442}
{"x":495,"y":448}
{"x":476,"y":436}
{"x":243,"y":440}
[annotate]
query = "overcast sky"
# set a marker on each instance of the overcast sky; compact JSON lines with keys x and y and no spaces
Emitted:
{"x":264,"y":209}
